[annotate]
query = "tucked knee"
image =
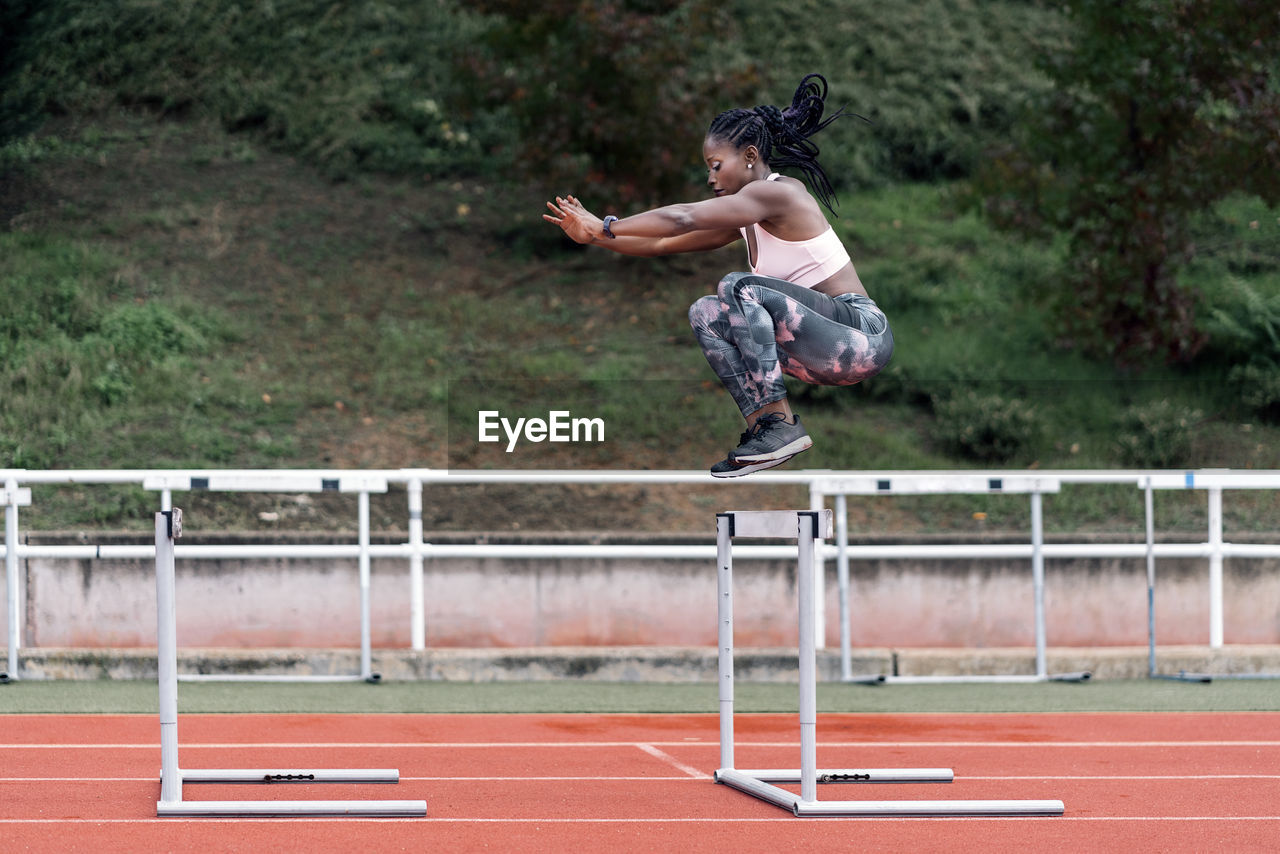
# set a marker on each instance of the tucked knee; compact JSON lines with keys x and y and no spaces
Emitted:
{"x":730,"y":285}
{"x":703,"y":312}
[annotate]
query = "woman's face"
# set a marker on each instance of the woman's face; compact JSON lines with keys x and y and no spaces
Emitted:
{"x":727,"y":171}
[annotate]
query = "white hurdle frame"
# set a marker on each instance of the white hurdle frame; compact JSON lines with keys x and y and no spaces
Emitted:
{"x":926,"y":483}
{"x":13,"y":497}
{"x":167,"y":484}
{"x":1213,"y":482}
{"x":806,"y":527}
{"x":172,"y":777}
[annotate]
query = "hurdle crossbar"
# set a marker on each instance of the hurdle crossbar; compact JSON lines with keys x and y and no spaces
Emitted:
{"x":172,"y":777}
{"x":806,"y":527}
{"x":360,"y":483}
{"x":926,"y":483}
{"x":1213,"y":482}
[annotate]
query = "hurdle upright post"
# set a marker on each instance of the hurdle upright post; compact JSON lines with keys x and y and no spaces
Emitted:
{"x":168,"y":528}
{"x":807,"y":524}
{"x":724,"y":621}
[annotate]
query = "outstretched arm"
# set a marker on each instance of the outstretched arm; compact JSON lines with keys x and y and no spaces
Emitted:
{"x":582,"y":226}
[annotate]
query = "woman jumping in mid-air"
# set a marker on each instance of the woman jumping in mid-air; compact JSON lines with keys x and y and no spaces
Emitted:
{"x":801,"y":310}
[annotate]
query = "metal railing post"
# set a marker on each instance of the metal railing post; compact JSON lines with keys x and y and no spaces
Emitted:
{"x":366,"y":656}
{"x":842,"y":574}
{"x":417,"y":607}
{"x":818,"y":503}
{"x":1037,"y":576}
{"x":1215,"y":567}
{"x":13,"y":589}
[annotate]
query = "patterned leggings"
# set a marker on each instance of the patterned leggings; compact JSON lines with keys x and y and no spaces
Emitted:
{"x":757,"y":328}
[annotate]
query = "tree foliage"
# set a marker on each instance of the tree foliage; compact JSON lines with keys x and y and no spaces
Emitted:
{"x":1158,"y":109}
{"x":611,"y":95}
{"x":21,"y":97}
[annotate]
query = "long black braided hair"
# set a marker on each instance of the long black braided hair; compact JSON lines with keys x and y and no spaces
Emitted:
{"x":782,"y":136}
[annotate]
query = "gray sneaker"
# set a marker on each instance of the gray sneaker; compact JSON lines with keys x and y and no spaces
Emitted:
{"x":772,"y":438}
{"x":728,"y":468}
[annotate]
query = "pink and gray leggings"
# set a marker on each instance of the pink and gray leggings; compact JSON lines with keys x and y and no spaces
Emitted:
{"x":757,"y":328}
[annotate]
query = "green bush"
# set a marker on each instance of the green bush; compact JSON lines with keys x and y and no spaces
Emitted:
{"x":1156,"y":435}
{"x":149,"y":332}
{"x":1258,"y":383}
{"x":984,"y":426}
{"x":1245,"y":324}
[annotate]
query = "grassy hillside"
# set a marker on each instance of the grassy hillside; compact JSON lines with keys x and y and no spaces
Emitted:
{"x":190,"y":288}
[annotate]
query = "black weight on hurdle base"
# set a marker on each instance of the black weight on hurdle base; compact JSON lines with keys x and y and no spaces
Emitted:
{"x":805,"y":527}
{"x":172,"y":778}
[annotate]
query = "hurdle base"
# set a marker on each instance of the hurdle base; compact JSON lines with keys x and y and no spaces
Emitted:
{"x":269,"y":677}
{"x":1016,"y":679}
{"x":177,"y":807}
{"x":854,"y":775}
{"x":744,"y":782}
{"x":245,"y":809}
{"x":271,"y":775}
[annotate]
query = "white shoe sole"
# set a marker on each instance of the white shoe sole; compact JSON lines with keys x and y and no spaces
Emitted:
{"x":787,"y":451}
{"x":748,"y":468}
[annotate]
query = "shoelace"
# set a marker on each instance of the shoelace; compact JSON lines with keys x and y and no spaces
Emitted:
{"x":763,"y":423}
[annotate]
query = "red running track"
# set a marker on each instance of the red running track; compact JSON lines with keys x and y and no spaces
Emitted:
{"x":622,"y":783}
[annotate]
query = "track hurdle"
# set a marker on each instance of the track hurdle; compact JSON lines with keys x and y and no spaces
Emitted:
{"x":12,"y":497}
{"x":805,"y":527}
{"x":928,"y":483}
{"x":1213,"y":482}
{"x":361,"y":484}
{"x":172,"y":777}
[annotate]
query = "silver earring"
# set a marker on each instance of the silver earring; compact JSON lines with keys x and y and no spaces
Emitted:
{"x":748,"y":165}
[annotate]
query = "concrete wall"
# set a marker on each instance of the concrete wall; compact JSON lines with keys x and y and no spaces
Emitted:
{"x":571,"y":602}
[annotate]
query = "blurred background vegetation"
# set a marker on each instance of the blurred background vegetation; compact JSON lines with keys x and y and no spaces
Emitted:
{"x":288,"y":233}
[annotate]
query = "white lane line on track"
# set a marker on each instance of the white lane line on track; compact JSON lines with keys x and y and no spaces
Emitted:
{"x":457,"y":745}
{"x":293,"y":820}
{"x":672,"y":761}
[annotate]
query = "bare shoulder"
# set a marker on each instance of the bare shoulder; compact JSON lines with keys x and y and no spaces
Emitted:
{"x":792,"y":206}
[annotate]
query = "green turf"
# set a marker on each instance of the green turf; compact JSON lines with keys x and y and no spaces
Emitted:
{"x":66,"y":697}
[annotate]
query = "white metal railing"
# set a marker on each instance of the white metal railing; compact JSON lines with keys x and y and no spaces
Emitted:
{"x":821,"y":485}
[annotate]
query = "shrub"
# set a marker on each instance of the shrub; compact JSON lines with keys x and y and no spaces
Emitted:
{"x":985,"y":426}
{"x":1156,"y":435}
{"x":1259,"y":385}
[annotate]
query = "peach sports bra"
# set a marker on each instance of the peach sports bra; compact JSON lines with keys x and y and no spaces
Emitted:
{"x":801,"y":262}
